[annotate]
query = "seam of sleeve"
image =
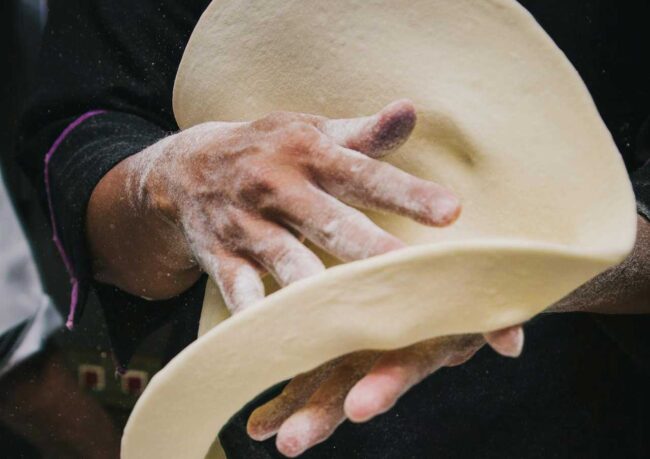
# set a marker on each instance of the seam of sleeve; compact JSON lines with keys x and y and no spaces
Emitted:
{"x":74,"y":281}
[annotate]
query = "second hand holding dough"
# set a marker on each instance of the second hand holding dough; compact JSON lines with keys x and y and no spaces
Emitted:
{"x":362,"y":385}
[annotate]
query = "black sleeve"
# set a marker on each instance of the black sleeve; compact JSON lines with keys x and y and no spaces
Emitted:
{"x":102,"y":93}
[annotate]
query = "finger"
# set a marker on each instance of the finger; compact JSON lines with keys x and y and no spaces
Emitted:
{"x":265,"y":421}
{"x":371,"y":184}
{"x":393,"y":374}
{"x":398,"y":371}
{"x":237,"y":278}
{"x":375,"y":135}
{"x":339,"y":229}
{"x":275,"y":248}
{"x":323,"y":413}
{"x":508,"y":342}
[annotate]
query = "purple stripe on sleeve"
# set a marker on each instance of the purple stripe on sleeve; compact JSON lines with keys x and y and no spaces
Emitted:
{"x":74,"y":294}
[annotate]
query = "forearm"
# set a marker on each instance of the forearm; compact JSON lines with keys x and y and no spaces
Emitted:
{"x":624,"y":289}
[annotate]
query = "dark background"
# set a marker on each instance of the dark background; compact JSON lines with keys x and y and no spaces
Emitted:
{"x":21,"y":22}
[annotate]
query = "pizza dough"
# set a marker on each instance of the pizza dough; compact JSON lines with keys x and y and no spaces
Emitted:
{"x":503,"y":119}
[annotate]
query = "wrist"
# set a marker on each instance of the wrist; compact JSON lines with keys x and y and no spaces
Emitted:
{"x":623,"y":289}
{"x":146,"y":182}
{"x":135,"y":243}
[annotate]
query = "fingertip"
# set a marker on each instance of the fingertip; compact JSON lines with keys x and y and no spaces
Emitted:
{"x":508,"y":342}
{"x":374,"y":135}
{"x":256,"y":430}
{"x":371,"y":396}
{"x":394,"y":125}
{"x":438,"y":207}
{"x":359,"y":405}
{"x":294,"y":435}
{"x":401,"y":106}
{"x":518,"y":342}
{"x":289,"y":448}
{"x":447,"y":210}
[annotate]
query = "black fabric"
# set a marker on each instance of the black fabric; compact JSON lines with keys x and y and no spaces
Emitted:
{"x":82,"y":159}
{"x":130,"y":318}
{"x":118,"y":56}
{"x":571,"y":395}
{"x":630,"y":334}
{"x":581,"y":388}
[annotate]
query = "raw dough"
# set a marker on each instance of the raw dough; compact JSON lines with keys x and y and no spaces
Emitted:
{"x":503,"y":119}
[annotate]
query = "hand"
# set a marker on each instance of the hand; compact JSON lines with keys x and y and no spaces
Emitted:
{"x":361,"y":385}
{"x":233,"y":199}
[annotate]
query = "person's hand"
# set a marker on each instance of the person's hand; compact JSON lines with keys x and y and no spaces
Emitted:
{"x":233,"y":199}
{"x":362,"y":385}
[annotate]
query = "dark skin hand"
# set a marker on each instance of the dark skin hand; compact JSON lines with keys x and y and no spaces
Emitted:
{"x":235,"y":200}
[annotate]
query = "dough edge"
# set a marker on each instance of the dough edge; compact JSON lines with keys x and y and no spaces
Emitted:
{"x":193,"y":382}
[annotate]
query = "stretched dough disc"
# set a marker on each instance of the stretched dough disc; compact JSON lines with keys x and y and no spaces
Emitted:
{"x":503,"y":119}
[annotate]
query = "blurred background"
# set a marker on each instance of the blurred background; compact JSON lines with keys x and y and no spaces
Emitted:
{"x":78,"y":363}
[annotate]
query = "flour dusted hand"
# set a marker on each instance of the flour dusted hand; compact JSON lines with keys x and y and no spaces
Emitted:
{"x":362,"y":385}
{"x":230,"y":199}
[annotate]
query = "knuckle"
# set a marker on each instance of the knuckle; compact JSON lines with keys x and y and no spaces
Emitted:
{"x":273,"y":120}
{"x":301,"y":136}
{"x":340,"y":223}
{"x":282,"y":256}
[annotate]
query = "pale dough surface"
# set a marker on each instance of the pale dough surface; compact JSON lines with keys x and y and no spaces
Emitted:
{"x":504,"y":120}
